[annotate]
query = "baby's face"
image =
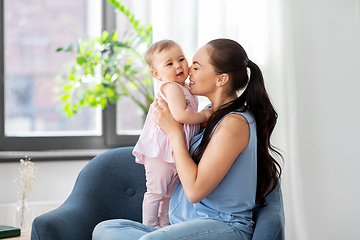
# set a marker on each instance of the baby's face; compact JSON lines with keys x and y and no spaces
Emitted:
{"x":171,"y":65}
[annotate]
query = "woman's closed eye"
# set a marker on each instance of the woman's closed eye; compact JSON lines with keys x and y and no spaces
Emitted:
{"x":194,"y":68}
{"x":196,"y":65}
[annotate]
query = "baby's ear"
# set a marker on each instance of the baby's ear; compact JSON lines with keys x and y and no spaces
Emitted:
{"x":155,"y":74}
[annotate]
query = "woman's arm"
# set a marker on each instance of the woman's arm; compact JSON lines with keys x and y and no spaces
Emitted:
{"x":229,"y":140}
{"x":177,"y":105}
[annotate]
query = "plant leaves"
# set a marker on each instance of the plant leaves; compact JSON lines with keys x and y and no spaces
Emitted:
{"x":89,"y":70}
{"x":67,"y":48}
{"x":67,"y":87}
{"x":108,"y":76}
{"x":133,"y":86}
{"x":81,"y":60}
{"x":115,"y":35}
{"x":112,"y":59}
{"x":104,"y":35}
{"x":71,"y":77}
{"x":110,"y":93}
{"x":119,"y":44}
{"x":65,"y":97}
{"x":127,"y":68}
{"x":103,"y":103}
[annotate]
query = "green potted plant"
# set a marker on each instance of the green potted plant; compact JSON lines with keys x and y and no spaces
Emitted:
{"x":110,"y":67}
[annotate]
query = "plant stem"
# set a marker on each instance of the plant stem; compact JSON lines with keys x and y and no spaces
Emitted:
{"x":22,"y":208}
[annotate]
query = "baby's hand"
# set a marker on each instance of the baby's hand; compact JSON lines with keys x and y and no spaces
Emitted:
{"x":207,"y":112}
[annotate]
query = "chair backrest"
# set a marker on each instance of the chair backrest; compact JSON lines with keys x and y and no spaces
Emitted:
{"x":270,"y":220}
{"x":118,"y":179}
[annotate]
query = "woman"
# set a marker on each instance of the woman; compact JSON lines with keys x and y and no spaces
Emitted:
{"x":229,"y":167}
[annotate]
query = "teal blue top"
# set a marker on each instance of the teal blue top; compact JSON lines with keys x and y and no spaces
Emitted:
{"x":233,"y":199}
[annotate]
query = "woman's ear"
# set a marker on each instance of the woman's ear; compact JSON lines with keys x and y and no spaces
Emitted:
{"x":222,"y":79}
{"x":155,"y":74}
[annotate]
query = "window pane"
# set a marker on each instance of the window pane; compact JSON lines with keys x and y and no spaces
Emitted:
{"x":129,"y":116}
{"x":34,"y":29}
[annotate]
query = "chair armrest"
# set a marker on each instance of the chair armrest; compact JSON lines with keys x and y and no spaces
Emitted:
{"x":66,"y":222}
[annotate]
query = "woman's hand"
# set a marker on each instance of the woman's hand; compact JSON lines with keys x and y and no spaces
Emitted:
{"x":164,"y":119}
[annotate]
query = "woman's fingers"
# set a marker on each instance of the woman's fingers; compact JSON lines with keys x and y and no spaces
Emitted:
{"x":163,"y":104}
{"x":163,"y":117}
{"x":158,"y":108}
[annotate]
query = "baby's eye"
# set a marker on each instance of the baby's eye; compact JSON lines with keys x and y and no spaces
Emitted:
{"x":182,"y":59}
{"x":169,"y":64}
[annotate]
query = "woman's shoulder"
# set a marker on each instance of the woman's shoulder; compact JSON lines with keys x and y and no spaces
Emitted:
{"x":243,"y":113}
{"x":233,"y":122}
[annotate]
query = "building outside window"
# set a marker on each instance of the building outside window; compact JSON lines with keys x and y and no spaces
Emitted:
{"x":32,"y":75}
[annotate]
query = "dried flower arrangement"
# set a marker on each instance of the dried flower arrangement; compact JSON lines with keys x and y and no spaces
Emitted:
{"x":26,"y":182}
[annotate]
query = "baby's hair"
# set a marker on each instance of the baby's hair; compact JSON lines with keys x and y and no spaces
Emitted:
{"x":158,"y":47}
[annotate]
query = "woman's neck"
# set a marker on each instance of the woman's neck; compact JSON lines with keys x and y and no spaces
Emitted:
{"x":217,"y":102}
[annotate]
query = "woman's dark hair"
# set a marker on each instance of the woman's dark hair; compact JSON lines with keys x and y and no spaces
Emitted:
{"x":228,"y":56}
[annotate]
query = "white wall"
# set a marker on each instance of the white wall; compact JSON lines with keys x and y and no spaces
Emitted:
{"x":326,"y":36}
{"x":55,"y":183}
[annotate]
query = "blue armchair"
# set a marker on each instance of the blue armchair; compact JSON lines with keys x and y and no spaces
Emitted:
{"x":111,"y":186}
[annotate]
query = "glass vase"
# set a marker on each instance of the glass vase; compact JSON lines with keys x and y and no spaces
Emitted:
{"x":23,"y":215}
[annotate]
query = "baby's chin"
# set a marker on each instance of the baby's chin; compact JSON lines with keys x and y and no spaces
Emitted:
{"x":182,"y":80}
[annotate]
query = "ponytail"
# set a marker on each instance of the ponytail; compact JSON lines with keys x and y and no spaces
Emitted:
{"x":231,"y":58}
{"x":258,"y":102}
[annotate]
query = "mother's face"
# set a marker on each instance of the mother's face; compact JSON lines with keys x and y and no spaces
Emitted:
{"x":201,"y":72}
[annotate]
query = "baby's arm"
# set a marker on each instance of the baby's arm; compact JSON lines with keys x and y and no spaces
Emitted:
{"x":177,"y":105}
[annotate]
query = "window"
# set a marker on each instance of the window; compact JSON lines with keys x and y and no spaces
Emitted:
{"x":33,"y":30}
{"x":31,"y":113}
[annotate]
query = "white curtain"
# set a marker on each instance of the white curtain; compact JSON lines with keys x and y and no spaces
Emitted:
{"x":263,"y":28}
